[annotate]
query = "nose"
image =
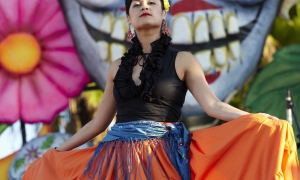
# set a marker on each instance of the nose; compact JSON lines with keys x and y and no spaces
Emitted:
{"x":145,"y":5}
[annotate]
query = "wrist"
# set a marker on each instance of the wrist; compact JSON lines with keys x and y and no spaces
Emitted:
{"x":57,"y":149}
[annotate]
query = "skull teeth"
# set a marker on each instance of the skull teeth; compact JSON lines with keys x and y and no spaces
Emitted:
{"x":119,"y":31}
{"x":204,"y":58}
{"x":232,"y":24}
{"x":208,"y":26}
{"x":220,"y":56}
{"x":103,"y":50}
{"x":110,"y":52}
{"x":202,"y":27}
{"x":181,"y":30}
{"x":186,"y":29}
{"x":116,"y":27}
{"x":106,"y":23}
{"x":116,"y":51}
{"x":217,"y":25}
{"x":212,"y":22}
{"x":235,"y":49}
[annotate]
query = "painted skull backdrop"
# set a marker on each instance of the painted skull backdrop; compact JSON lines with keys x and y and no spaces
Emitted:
{"x":226,"y":37}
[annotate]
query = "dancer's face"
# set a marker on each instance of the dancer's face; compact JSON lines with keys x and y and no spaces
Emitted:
{"x":145,"y":14}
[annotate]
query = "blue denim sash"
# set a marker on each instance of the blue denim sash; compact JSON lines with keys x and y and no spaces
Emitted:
{"x":175,"y":134}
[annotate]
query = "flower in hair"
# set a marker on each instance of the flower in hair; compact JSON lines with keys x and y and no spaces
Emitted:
{"x":166,"y":5}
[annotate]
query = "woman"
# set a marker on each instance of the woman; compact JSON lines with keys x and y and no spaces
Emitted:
{"x":147,"y":87}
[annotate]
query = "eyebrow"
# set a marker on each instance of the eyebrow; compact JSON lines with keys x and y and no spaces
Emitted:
{"x":137,"y":0}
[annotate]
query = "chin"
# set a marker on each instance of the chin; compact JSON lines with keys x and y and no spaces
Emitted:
{"x":145,"y":23}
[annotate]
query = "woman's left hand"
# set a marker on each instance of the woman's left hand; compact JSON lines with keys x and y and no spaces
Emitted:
{"x":269,"y":116}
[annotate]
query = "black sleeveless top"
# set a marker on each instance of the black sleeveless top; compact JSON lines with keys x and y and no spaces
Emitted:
{"x":161,"y":94}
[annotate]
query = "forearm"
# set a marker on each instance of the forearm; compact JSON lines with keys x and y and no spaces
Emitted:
{"x":224,"y":111}
{"x":105,"y":113}
{"x":86,"y":133}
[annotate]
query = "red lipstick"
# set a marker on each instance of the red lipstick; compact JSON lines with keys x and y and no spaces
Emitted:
{"x":145,"y":14}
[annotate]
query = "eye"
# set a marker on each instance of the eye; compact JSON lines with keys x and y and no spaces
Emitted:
{"x":136,"y":5}
{"x":151,"y":2}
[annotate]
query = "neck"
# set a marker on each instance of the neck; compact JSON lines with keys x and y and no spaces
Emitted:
{"x":146,"y":38}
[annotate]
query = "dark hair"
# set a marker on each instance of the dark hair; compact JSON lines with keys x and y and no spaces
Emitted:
{"x":128,"y":3}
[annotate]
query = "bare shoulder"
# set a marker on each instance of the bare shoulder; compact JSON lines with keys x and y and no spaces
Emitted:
{"x":184,"y":63}
{"x":116,"y":63}
{"x":114,"y":68}
{"x":186,"y":59}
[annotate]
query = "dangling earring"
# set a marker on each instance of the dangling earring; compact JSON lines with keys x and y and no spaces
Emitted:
{"x":164,"y":28}
{"x":129,"y":35}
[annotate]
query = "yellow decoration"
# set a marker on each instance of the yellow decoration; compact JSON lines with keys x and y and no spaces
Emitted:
{"x":166,"y":5}
{"x":5,"y":165}
{"x":6,"y":162}
{"x":19,"y":53}
{"x":45,"y":130}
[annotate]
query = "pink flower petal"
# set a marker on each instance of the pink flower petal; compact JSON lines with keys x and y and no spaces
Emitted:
{"x":36,"y":13}
{"x":9,"y":15}
{"x":4,"y":31}
{"x":54,"y":28}
{"x":65,"y":70}
{"x":41,"y":100}
{"x":3,"y":27}
{"x":9,"y":98}
{"x":31,"y":9}
{"x":63,"y":42}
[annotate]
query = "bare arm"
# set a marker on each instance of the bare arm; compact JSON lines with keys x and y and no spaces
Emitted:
{"x":105,"y":113}
{"x":191,"y":71}
{"x":197,"y":84}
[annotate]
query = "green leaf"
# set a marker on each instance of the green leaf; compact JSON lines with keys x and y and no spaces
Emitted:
{"x":18,"y":164}
{"x":287,"y":31}
{"x":3,"y":127}
{"x":48,"y":142}
{"x":268,"y":92}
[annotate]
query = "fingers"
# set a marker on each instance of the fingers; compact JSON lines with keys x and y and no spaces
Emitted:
{"x":269,"y":116}
{"x":273,"y":117}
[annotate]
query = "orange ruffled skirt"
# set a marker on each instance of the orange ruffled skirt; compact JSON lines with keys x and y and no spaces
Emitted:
{"x":251,"y":147}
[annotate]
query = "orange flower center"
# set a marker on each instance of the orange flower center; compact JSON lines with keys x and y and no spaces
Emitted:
{"x":19,"y":53}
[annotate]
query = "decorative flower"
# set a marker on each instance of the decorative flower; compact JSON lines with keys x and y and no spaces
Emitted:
{"x":39,"y":66}
{"x":32,"y":153}
{"x":166,"y":5}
